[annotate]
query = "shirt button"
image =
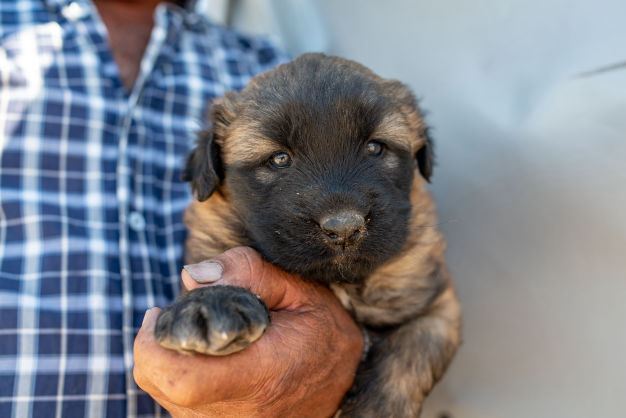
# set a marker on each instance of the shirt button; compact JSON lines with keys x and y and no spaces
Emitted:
{"x":136,"y":221}
{"x":74,"y":11}
{"x":192,"y":19}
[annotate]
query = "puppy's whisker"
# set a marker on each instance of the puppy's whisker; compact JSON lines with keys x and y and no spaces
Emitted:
{"x":437,"y":224}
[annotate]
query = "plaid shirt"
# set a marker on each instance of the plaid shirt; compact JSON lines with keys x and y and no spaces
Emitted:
{"x":90,"y":197}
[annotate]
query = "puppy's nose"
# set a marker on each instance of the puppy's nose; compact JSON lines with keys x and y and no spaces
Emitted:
{"x":343,"y":228}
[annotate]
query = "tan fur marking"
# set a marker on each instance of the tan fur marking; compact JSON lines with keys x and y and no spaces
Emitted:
{"x":245,"y":145}
{"x":437,"y":335}
{"x":417,"y":126}
{"x":402,"y":95}
{"x":342,"y":295}
{"x":214,"y":227}
{"x":264,"y":175}
{"x":394,"y":128}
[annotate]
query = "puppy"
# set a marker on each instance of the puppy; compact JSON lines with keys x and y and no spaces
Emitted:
{"x":321,"y":165}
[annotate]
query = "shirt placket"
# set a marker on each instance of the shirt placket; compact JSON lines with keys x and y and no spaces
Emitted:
{"x":129,"y":192}
{"x":129,"y":188}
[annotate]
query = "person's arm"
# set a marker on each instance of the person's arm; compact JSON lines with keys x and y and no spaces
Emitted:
{"x":302,"y":366}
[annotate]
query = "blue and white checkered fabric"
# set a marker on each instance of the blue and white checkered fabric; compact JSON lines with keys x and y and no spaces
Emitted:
{"x":90,"y":197}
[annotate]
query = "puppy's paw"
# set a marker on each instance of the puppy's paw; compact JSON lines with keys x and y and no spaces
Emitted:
{"x":216,"y":320}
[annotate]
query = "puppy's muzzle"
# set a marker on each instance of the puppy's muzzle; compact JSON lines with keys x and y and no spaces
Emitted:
{"x":344,"y":228}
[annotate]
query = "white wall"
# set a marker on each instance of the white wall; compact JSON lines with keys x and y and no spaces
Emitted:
{"x":530,"y":185}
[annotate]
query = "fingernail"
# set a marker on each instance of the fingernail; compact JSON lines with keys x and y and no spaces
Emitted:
{"x":145,"y":316}
{"x":205,"y":272}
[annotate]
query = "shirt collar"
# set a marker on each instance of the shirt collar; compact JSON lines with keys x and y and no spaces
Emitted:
{"x":191,"y":5}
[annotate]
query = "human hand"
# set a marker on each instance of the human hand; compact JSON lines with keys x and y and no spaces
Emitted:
{"x":302,"y":366}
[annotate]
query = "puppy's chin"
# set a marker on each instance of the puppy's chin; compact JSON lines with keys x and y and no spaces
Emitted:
{"x":314,"y":259}
{"x":345,"y":267}
{"x":342,"y":269}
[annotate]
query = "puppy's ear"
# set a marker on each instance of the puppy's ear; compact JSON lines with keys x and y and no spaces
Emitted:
{"x":420,"y":140}
{"x":426,"y":156}
{"x":204,"y":168}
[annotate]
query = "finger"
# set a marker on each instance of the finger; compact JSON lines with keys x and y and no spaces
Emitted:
{"x":244,"y":267}
{"x":143,"y":342}
{"x":160,"y":372}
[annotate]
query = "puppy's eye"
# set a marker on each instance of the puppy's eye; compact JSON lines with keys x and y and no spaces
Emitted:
{"x":374,"y":148}
{"x":281,"y":160}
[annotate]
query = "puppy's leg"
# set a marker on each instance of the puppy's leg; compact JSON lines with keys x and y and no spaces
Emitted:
{"x":216,"y":320}
{"x":404,"y":363}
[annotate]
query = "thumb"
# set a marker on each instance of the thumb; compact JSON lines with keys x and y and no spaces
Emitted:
{"x":244,"y":267}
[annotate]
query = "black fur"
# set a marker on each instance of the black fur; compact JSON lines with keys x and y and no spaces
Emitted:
{"x":323,"y":117}
{"x":323,"y":112}
{"x":426,"y":157}
{"x":204,"y":168}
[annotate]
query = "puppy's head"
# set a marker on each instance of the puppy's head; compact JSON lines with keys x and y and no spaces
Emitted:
{"x":317,"y":157}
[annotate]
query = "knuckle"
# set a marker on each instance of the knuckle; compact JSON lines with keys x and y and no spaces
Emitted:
{"x":142,"y":379}
{"x":248,"y":265}
{"x":180,"y":397}
{"x":139,"y":377}
{"x":244,"y":254}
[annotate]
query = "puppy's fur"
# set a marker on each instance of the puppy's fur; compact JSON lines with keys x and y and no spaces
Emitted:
{"x":325,"y":113}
